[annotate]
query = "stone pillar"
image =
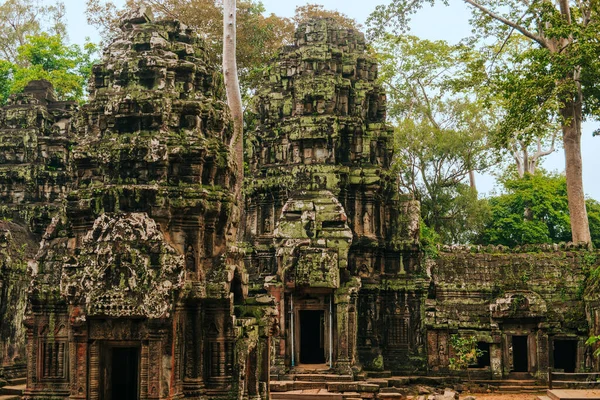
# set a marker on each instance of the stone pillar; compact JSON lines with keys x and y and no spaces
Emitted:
{"x":352,"y":328}
{"x":94,"y":371}
{"x":155,"y":341}
{"x":78,"y":355}
{"x":278,"y":344}
{"x":193,"y":380}
{"x":342,"y":361}
{"x":496,"y":359}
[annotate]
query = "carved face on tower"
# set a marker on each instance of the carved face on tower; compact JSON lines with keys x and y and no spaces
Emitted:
{"x":312,"y":238}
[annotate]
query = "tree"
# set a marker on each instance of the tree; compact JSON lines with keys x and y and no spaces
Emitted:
{"x":310,"y":11}
{"x":232,"y":88}
{"x":558,"y":70}
{"x":465,"y":352}
{"x":22,"y":18}
{"x":441,"y":130}
{"x":67,"y":67}
{"x":532,"y":210}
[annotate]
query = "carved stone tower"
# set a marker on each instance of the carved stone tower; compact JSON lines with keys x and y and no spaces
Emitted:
{"x":331,"y":240}
{"x":132,"y":291}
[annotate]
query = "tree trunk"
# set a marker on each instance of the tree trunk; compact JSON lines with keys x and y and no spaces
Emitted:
{"x":234,"y":101}
{"x":571,"y":127}
{"x":472,"y":183}
{"x":232,"y":88}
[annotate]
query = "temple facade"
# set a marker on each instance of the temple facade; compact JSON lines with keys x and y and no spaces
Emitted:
{"x":120,"y":276}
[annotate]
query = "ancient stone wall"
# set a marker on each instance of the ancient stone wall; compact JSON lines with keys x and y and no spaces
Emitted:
{"x":494,"y":294}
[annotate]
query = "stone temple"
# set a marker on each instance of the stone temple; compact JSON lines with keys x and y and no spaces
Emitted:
{"x":118,"y":279}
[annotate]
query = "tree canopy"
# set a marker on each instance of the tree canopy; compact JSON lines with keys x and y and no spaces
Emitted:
{"x":533,"y":210}
{"x":33,"y":45}
{"x":554,"y":77}
{"x":436,"y":105}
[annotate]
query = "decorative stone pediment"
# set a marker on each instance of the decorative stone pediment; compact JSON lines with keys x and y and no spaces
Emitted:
{"x":519,"y":304}
{"x":125,"y":268}
{"x":312,"y":238}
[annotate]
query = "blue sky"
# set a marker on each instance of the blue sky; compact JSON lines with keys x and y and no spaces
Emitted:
{"x":440,"y":22}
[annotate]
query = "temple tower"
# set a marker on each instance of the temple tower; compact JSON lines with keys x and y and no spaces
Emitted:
{"x":332,"y":241}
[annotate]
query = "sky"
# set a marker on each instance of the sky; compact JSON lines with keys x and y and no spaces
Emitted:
{"x":433,"y":23}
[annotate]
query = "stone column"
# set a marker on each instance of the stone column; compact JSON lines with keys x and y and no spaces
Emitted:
{"x":78,"y":355}
{"x":342,"y":302}
{"x":278,"y":342}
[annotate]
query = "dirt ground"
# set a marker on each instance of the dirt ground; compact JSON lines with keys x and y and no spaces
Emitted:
{"x":502,"y":396}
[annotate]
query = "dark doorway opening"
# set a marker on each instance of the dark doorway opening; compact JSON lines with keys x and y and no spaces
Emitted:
{"x":520,"y":354}
{"x":124,"y":377}
{"x":565,"y":355}
{"x":484,"y":359}
{"x":312,"y":337}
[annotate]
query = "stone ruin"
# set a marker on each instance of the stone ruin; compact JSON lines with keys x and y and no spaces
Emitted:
{"x":118,"y":278}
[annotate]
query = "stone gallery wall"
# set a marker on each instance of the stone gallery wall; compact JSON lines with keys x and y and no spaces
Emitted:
{"x":496,"y":293}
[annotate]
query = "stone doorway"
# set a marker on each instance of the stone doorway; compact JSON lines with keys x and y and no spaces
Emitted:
{"x":520,"y":353}
{"x":121,"y":372}
{"x":565,"y":355}
{"x":312,"y":336}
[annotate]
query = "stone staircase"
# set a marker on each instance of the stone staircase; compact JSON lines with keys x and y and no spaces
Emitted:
{"x":384,"y":386}
{"x":513,"y":385}
{"x":379,"y":385}
{"x":13,"y":390}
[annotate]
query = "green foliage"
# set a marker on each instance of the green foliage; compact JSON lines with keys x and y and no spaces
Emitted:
{"x":43,"y":56}
{"x":593,"y":210}
{"x":534,"y":209}
{"x":22,"y":18}
{"x":592,"y":340}
{"x":552,"y":78}
{"x":435,"y":100}
{"x":6,"y":69}
{"x":465,"y":351}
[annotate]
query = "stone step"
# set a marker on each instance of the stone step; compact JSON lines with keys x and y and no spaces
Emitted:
{"x":518,"y":391}
{"x":573,"y":394}
{"x":281,"y":386}
{"x":12,"y":390}
{"x":9,"y":397}
{"x":306,"y":385}
{"x":17,"y":381}
{"x":382,"y":383}
{"x":379,"y":374}
{"x":323,"y":377}
{"x":543,"y":397}
{"x":306,"y":395}
{"x":342,"y":386}
{"x":498,"y":382}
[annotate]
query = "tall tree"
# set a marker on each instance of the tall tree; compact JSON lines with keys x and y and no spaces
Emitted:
{"x":441,"y":129}
{"x":67,"y":67}
{"x":560,"y":70}
{"x":232,"y":88}
{"x":22,"y":18}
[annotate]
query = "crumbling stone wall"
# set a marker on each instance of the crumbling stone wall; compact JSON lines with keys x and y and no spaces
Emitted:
{"x":494,"y":293}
